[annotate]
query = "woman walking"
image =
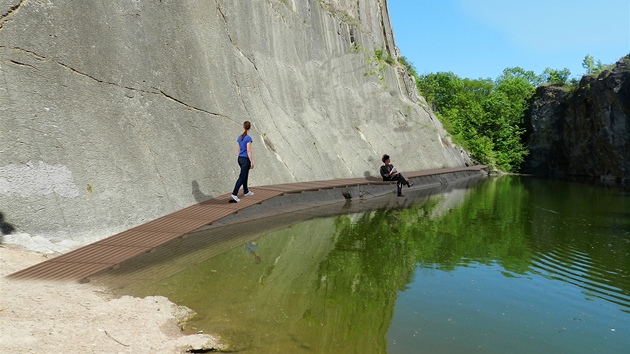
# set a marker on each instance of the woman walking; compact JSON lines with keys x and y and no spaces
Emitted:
{"x":245,"y":161}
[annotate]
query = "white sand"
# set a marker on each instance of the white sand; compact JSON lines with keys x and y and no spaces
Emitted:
{"x":59,"y":317}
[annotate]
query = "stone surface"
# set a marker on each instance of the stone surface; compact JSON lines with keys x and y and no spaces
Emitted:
{"x":583,"y":133}
{"x":115,"y":113}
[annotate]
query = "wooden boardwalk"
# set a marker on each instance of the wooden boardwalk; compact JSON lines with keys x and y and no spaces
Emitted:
{"x":81,"y":263}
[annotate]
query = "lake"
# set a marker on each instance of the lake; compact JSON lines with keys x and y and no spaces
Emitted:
{"x":493,"y":265}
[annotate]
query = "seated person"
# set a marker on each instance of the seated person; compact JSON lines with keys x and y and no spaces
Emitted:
{"x":389,"y":173}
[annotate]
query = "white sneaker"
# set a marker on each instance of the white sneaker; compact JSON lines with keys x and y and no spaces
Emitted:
{"x":235,"y":198}
{"x":249,"y":194}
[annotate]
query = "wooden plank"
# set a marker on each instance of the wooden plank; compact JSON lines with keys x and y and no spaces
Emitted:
{"x":138,"y":238}
{"x":61,"y":271}
{"x":100,"y":254}
{"x":107,"y":253}
{"x":172,"y":224}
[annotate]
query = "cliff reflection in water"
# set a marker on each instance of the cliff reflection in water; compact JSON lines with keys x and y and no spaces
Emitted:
{"x":330,"y":285}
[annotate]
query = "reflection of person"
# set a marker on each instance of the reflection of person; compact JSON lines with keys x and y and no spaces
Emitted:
{"x":389,"y":173}
{"x":245,"y":161}
{"x":251,"y":248}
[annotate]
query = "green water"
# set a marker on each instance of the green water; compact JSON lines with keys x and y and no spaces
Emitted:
{"x":510,"y":265}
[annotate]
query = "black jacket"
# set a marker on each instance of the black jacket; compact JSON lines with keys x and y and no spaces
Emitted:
{"x":385,"y":170}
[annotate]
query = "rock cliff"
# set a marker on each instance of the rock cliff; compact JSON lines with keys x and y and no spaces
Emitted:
{"x":585,"y":132}
{"x":117,"y":112}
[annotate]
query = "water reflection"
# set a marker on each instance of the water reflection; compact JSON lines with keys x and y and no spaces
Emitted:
{"x":525,"y":264}
{"x":514,"y":262}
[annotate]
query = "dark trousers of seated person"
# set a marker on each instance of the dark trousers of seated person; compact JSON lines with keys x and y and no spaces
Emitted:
{"x":400,"y":181}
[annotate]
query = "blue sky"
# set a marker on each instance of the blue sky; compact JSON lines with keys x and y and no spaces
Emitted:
{"x":479,"y":38}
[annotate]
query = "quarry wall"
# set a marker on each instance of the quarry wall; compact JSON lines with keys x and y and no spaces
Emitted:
{"x":114,"y":113}
{"x":584,"y":132}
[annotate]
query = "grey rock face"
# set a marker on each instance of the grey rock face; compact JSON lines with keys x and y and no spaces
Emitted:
{"x":583,"y":133}
{"x":114,"y":113}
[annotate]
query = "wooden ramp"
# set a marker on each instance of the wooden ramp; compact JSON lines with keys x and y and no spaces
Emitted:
{"x":81,"y":263}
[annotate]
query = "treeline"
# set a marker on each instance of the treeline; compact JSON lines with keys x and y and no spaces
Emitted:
{"x":486,"y":116}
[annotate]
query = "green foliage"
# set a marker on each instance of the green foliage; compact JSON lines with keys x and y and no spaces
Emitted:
{"x":380,"y":250}
{"x":410,"y":68}
{"x":485,"y":116}
{"x":377,"y":64}
{"x":556,"y":77}
{"x":378,"y":55}
{"x":357,"y":48}
{"x":591,"y":66}
{"x":521,"y":74}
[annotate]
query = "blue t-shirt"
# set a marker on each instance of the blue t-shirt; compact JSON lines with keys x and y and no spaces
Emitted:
{"x":243,"y":144}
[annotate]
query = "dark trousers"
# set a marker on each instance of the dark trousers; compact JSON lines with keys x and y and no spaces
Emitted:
{"x":400,"y":182}
{"x":243,"y":176}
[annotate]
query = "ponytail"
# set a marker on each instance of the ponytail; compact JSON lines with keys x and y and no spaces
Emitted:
{"x":247,"y":125}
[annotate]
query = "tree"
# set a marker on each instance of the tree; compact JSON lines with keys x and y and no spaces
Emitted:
{"x":589,"y":64}
{"x":440,"y":89}
{"x":505,"y":109}
{"x":483,"y":115}
{"x":558,"y":77}
{"x":591,"y":67}
{"x":520,"y":73}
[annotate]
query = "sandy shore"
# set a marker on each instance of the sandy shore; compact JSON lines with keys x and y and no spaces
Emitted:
{"x":58,"y":317}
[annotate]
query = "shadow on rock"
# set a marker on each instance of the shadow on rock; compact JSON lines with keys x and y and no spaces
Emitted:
{"x":5,"y":227}
{"x":198,"y":194}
